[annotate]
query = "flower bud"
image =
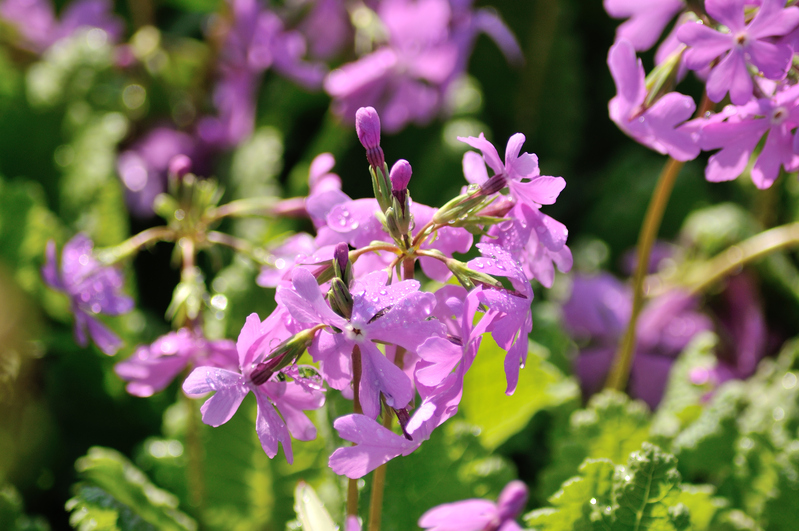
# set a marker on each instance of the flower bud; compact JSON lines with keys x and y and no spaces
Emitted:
{"x":367,"y":125}
{"x":403,"y":417}
{"x":340,"y":298}
{"x":342,"y":267}
{"x":282,"y":356}
{"x":493,"y":185}
{"x":400,"y":175}
{"x":179,"y":166}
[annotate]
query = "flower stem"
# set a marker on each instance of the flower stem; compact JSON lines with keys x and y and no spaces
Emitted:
{"x":194,"y":451}
{"x":352,"y":484}
{"x":379,"y":475}
{"x":730,"y":260}
{"x":623,"y":361}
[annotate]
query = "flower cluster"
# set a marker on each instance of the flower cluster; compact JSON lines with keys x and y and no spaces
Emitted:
{"x":741,"y":50}
{"x":351,"y":299}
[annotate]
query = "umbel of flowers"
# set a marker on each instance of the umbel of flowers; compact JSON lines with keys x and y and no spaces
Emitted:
{"x":353,"y":301}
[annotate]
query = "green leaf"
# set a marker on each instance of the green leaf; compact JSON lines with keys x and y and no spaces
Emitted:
{"x":499,"y":416}
{"x":582,"y":501}
{"x":12,"y":513}
{"x":706,"y":447}
{"x":611,"y":426}
{"x":114,"y":494}
{"x":646,"y":492}
{"x":310,"y":511}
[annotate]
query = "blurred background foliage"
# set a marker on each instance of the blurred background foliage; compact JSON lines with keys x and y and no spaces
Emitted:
{"x":65,"y":116}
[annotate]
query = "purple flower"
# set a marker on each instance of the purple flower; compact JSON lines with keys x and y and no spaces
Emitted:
{"x":404,"y":79}
{"x":143,"y":168}
{"x":597,"y":314}
{"x":296,"y":249}
{"x":658,"y":126}
{"x":395,"y":314}
{"x":37,"y":24}
{"x":256,"y":42}
{"x":743,"y":129}
{"x":741,"y":45}
{"x":536,"y":240}
{"x":327,"y":28}
{"x":280,"y":403}
{"x":646,"y":19}
{"x":519,"y":173}
{"x":441,"y":393}
{"x":479,"y":515}
{"x":153,"y":367}
{"x":92,"y":289}
{"x":510,"y":315}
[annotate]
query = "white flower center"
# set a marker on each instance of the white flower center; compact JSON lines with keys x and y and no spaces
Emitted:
{"x":778,"y":115}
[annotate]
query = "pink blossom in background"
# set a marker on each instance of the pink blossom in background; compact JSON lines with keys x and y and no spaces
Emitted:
{"x":646,"y":19}
{"x":152,"y":367}
{"x":741,"y":45}
{"x":92,"y":289}
{"x":478,"y":514}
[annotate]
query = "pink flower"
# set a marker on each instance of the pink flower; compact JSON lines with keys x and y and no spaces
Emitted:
{"x":743,"y":129}
{"x":280,"y":403}
{"x":92,"y":289}
{"x":658,"y":126}
{"x":152,"y":367}
{"x":742,"y":45}
{"x":479,"y":515}
{"x":646,"y":19}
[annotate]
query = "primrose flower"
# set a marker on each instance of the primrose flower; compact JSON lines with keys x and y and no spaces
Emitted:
{"x":646,"y":19}
{"x":738,"y":136}
{"x":519,"y":173}
{"x":280,"y":403}
{"x":39,"y":28}
{"x":395,"y":314}
{"x":659,"y":126}
{"x":597,"y":314}
{"x":92,"y":289}
{"x":441,"y":392}
{"x":152,"y":367}
{"x":479,"y":515}
{"x":741,"y":45}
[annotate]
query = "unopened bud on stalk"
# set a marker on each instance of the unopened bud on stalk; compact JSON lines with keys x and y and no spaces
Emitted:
{"x":493,"y":185}
{"x":284,"y":355}
{"x":403,"y":417}
{"x":342,"y":267}
{"x":367,"y":125}
{"x":400,"y":177}
{"x":340,"y":298}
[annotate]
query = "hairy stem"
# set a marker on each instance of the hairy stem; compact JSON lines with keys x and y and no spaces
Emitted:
{"x":620,"y":371}
{"x":352,"y":485}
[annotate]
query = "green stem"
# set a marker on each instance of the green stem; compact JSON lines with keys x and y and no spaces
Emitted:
{"x":379,"y":475}
{"x":620,"y":370}
{"x":112,"y":255}
{"x":259,"y":206}
{"x":352,"y":484}
{"x":195,"y":453}
{"x":731,"y":260}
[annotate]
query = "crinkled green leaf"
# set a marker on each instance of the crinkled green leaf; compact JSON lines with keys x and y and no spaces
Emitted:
{"x":499,"y":416}
{"x":611,"y":426}
{"x":582,"y":503}
{"x":646,"y":492}
{"x":114,"y":494}
{"x":706,"y":447}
